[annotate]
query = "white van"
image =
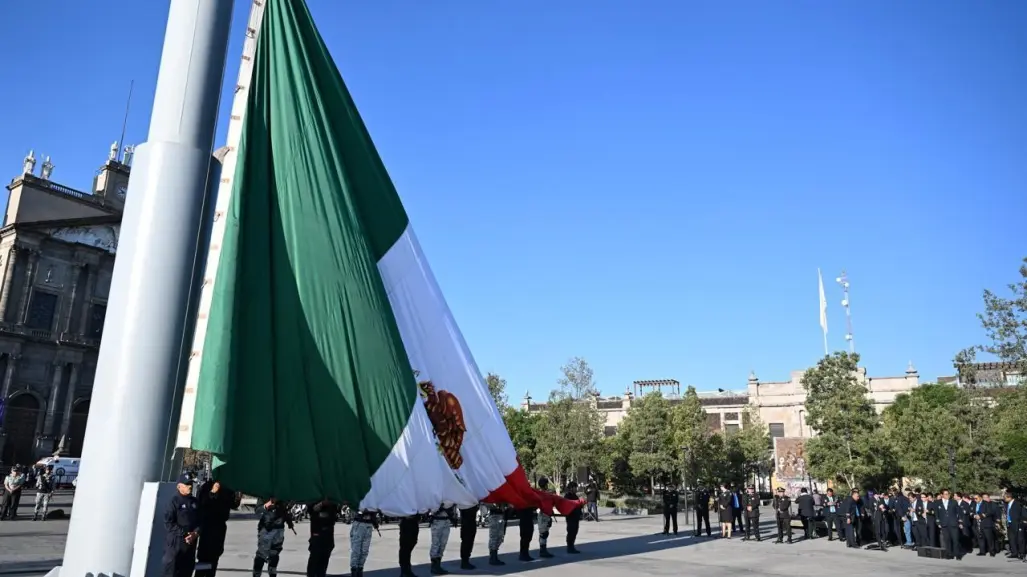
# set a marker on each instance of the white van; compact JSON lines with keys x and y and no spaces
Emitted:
{"x":65,"y":469}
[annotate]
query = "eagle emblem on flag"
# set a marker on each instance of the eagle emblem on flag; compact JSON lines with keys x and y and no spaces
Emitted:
{"x":447,"y":418}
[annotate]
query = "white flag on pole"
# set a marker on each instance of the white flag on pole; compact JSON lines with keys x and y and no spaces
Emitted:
{"x":823,"y":309}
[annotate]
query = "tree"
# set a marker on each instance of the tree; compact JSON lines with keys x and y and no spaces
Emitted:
{"x":691,"y":437}
{"x":751,"y":445}
{"x":569,"y":434}
{"x":497,"y":388}
{"x":1010,"y":407}
{"x":1005,"y":322}
{"x":651,"y":440}
{"x":849,"y":447}
{"x":522,"y":425}
{"x":577,"y":381}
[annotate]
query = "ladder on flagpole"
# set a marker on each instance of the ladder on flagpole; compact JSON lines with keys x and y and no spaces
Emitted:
{"x":217,"y":234}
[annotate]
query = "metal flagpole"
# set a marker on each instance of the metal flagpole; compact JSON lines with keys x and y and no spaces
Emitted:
{"x":141,"y":361}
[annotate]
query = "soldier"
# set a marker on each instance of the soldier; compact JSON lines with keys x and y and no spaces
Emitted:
{"x":752,"y":515}
{"x":545,"y":522}
{"x":44,"y":490}
{"x":322,"y":537}
{"x":274,"y":517}
{"x":182,"y":522}
{"x":408,"y":528}
{"x":216,"y":504}
{"x":441,"y":522}
{"x":670,"y":509}
{"x":702,"y":511}
{"x":574,"y":518}
{"x":360,"y":540}
{"x":497,"y":530}
{"x":526,"y":521}
{"x":783,"y":512}
{"x":468,"y":529}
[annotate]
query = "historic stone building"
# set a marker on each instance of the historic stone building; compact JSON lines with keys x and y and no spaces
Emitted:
{"x":57,"y":248}
{"x":780,"y":404}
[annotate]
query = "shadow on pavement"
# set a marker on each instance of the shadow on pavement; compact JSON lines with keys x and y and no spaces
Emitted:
{"x":29,"y":567}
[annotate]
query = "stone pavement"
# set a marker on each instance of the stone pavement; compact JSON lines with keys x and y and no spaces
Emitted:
{"x":617,"y":546}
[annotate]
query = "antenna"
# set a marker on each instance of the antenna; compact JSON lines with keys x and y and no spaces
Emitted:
{"x":844,"y":281}
{"x":124,"y":123}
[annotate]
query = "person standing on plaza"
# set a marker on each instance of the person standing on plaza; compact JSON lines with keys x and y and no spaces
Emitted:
{"x":545,"y":522}
{"x":752,"y":515}
{"x":574,"y":518}
{"x":274,"y":517}
{"x":702,"y":511}
{"x":725,"y":511}
{"x":592,"y":498}
{"x":323,"y":516}
{"x":13,"y":485}
{"x":526,"y":522}
{"x":360,"y":533}
{"x":670,"y":509}
{"x":1014,"y":516}
{"x":984,"y":522}
{"x":830,"y":512}
{"x":468,"y":530}
{"x":497,"y":531}
{"x":854,"y":520}
{"x":182,"y":525}
{"x":948,"y":524}
{"x":409,"y":527}
{"x":783,"y":514}
{"x":442,"y":522}
{"x":807,"y":513}
{"x":44,"y":491}
{"x":216,"y":505}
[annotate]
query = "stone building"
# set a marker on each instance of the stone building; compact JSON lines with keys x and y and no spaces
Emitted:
{"x":57,"y":248}
{"x":780,"y":404}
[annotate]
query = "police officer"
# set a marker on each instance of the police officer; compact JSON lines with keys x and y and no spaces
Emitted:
{"x":526,"y":521}
{"x":545,"y":522}
{"x":574,"y":518}
{"x":322,"y":537}
{"x":182,"y":522}
{"x":783,"y":512}
{"x":216,"y":504}
{"x":408,"y":528}
{"x":880,"y":519}
{"x":702,"y":511}
{"x":274,"y":517}
{"x":360,"y":540}
{"x":751,"y":503}
{"x":442,"y":521}
{"x":44,"y":491}
{"x":497,"y":531}
{"x":468,"y":529}
{"x":670,"y":509}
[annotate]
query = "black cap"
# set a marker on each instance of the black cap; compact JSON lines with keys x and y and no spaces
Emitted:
{"x":185,"y":479}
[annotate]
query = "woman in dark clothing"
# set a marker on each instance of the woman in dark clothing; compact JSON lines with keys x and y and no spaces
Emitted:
{"x":725,"y":503}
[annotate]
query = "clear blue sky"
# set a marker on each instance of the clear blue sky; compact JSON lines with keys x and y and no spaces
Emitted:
{"x":650,"y":185}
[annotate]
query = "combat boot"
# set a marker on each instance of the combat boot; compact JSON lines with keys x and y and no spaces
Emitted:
{"x":494,"y":558}
{"x":436,"y":567}
{"x":543,"y":551}
{"x":258,"y":566}
{"x":525,"y":556}
{"x":466,"y":565}
{"x":572,"y":549}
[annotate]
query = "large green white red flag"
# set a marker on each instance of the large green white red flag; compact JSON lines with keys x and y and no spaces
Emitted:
{"x":324,"y":309}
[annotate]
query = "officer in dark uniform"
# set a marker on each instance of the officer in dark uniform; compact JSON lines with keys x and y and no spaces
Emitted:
{"x":670,"y":509}
{"x":216,"y":504}
{"x":322,"y":537}
{"x":574,"y":517}
{"x":182,"y":523}
{"x":702,"y":511}
{"x":468,"y":529}
{"x":783,"y":512}
{"x":408,"y":529}
{"x":751,"y":503}
{"x":880,"y":519}
{"x":526,"y":520}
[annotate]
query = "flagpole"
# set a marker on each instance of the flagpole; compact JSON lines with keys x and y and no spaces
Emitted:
{"x":141,"y":363}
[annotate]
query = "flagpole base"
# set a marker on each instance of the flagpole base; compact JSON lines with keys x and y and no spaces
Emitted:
{"x":150,"y":531}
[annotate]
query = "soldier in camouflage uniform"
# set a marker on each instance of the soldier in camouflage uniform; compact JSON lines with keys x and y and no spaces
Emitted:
{"x":545,"y":522}
{"x":360,"y":540}
{"x":442,"y":522}
{"x":274,"y":517}
{"x":497,"y":530}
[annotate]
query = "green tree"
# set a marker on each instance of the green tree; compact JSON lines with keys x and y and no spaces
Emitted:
{"x":850,"y":446}
{"x":652,"y":450}
{"x":578,"y":380}
{"x":497,"y":388}
{"x":750,"y":446}
{"x":691,"y":438}
{"x":613,"y":465}
{"x":1005,"y":322}
{"x":1009,"y":411}
{"x":521,"y":425}
{"x":569,"y":435}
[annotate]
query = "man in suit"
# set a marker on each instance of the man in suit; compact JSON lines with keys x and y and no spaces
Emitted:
{"x":930,"y":520}
{"x":702,"y":511}
{"x":831,"y":510}
{"x":984,"y":524}
{"x":806,"y":512}
{"x":900,"y":519}
{"x":853,"y":520}
{"x":1014,"y":517}
{"x":949,"y":517}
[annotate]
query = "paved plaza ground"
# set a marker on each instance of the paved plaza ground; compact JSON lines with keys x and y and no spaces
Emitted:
{"x":617,"y":546}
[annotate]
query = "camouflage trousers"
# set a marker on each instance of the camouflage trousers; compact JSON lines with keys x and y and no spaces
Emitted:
{"x":544,"y":523}
{"x":359,"y":543}
{"x":439,"y":537}
{"x":497,"y":530}
{"x":269,"y":545}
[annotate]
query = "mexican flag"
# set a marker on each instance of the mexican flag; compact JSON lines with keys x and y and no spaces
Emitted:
{"x":332,"y":366}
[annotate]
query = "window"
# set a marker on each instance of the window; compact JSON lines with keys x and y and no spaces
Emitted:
{"x":732,"y":428}
{"x":730,"y":416}
{"x":42,"y":309}
{"x":713,"y":420}
{"x":96,"y":316}
{"x":777,"y":430}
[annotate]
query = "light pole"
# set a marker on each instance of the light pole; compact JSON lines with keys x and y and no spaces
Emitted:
{"x":844,"y":282}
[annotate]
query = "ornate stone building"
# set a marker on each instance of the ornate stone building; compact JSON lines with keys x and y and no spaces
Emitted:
{"x":780,"y":404}
{"x":57,"y":248}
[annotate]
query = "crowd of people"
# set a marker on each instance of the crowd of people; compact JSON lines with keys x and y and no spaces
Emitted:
{"x":20,"y":478}
{"x":197,"y":525}
{"x":943,"y":524}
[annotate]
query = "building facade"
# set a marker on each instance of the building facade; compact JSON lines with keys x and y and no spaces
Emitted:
{"x":779,"y":404}
{"x":57,"y":249}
